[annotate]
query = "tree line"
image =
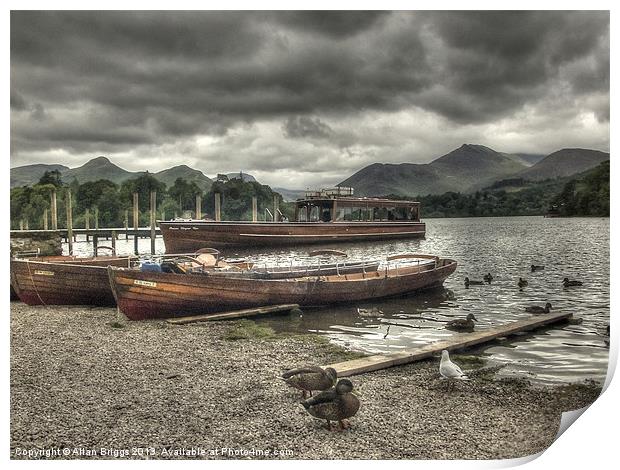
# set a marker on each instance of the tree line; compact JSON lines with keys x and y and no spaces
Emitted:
{"x":111,"y":202}
{"x":583,"y":195}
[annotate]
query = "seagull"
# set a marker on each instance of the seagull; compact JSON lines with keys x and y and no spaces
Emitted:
{"x":522,"y":283}
{"x":448,"y":369}
{"x":487,"y":278}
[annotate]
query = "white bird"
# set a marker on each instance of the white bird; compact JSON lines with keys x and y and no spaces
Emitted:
{"x":448,"y":369}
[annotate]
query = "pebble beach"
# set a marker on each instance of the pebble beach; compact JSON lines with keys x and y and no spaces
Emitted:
{"x":87,"y":384}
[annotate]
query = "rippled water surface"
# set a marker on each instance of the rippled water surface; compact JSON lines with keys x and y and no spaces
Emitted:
{"x":506,"y":247}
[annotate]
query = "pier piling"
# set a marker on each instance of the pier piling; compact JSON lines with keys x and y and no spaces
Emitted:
{"x":153,"y":219}
{"x":54,"y":208}
{"x":198,"y":206}
{"x":69,"y":222}
{"x":136,"y":222}
{"x":218,"y":216}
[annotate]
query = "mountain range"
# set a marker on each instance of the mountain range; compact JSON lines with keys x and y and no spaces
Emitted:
{"x":467,"y":169}
{"x":103,"y":168}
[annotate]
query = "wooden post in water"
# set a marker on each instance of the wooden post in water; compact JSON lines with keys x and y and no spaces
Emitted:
{"x":217,"y":208}
{"x":95,"y":244}
{"x":114,"y":242}
{"x":54,"y":211}
{"x":275,"y":208}
{"x":87,"y":222}
{"x":254,"y":209}
{"x":198,"y":206}
{"x":126,"y":225}
{"x":45,"y":219}
{"x":136,"y":222}
{"x":153,"y":218}
{"x":69,"y":222}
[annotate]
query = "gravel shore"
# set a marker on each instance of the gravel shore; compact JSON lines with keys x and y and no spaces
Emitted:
{"x":87,"y":383}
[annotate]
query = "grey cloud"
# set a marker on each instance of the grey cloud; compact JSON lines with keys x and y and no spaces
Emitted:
{"x":115,"y":81}
{"x":305,"y":126}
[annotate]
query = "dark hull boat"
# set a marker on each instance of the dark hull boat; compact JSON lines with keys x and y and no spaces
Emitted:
{"x":145,"y":295}
{"x":187,"y":236}
{"x":65,"y":280}
{"x":326,"y":216}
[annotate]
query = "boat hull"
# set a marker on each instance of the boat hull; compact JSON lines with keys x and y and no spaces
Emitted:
{"x":189,"y":236}
{"x":67,"y":281}
{"x":148,"y":295}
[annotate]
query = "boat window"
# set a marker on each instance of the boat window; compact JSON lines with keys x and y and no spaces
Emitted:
{"x":314,"y":214}
{"x":380,"y":213}
{"x":401,"y":213}
{"x":357,"y":213}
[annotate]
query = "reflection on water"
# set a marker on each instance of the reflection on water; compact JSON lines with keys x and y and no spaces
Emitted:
{"x":505,"y":247}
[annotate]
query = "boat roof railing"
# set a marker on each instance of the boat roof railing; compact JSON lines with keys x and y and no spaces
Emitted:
{"x":352,"y":201}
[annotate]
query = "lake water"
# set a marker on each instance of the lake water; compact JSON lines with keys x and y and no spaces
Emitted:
{"x":506,"y":247}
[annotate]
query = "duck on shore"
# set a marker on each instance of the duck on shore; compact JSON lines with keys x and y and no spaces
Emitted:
{"x":310,"y":378}
{"x":538,"y":309}
{"x":469,"y":282}
{"x":537,"y":268}
{"x":462,"y":324}
{"x":569,"y":283}
{"x":522,"y":283}
{"x":487,"y":278}
{"x":336,"y":404}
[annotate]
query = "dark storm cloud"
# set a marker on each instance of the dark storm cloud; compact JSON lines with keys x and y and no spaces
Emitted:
{"x":113,"y":80}
{"x":304,"y":126}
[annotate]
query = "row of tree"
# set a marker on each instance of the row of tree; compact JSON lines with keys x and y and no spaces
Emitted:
{"x":111,"y":202}
{"x":584,"y":195}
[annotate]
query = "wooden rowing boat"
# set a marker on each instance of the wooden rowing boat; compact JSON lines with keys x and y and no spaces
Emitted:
{"x":68,"y":280}
{"x":65,"y":280}
{"x":145,"y":295}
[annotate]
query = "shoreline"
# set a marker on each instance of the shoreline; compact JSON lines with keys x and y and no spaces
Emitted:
{"x":85,"y":378}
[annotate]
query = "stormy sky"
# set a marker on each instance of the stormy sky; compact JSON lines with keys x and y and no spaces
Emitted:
{"x":303,"y":99}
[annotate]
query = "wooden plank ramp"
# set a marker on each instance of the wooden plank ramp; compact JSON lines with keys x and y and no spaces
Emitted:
{"x":458,"y":341}
{"x":250,"y":312}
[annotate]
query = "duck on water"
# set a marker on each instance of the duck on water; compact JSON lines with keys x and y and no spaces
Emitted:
{"x":462,"y":324}
{"x":538,"y":309}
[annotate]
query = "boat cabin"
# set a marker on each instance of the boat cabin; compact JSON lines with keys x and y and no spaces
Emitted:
{"x":339,"y":205}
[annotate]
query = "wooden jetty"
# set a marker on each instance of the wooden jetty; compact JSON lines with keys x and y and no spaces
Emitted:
{"x":250,"y":312}
{"x":142,"y":232}
{"x":459,"y":341}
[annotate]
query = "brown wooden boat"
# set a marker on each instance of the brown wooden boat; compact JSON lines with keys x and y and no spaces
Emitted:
{"x":65,"y":280}
{"x":145,"y":295}
{"x":322,"y":217}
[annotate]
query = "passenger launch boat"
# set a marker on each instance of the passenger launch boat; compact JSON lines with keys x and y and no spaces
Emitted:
{"x":144,"y":295}
{"x":65,"y":280}
{"x":321,"y":217}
